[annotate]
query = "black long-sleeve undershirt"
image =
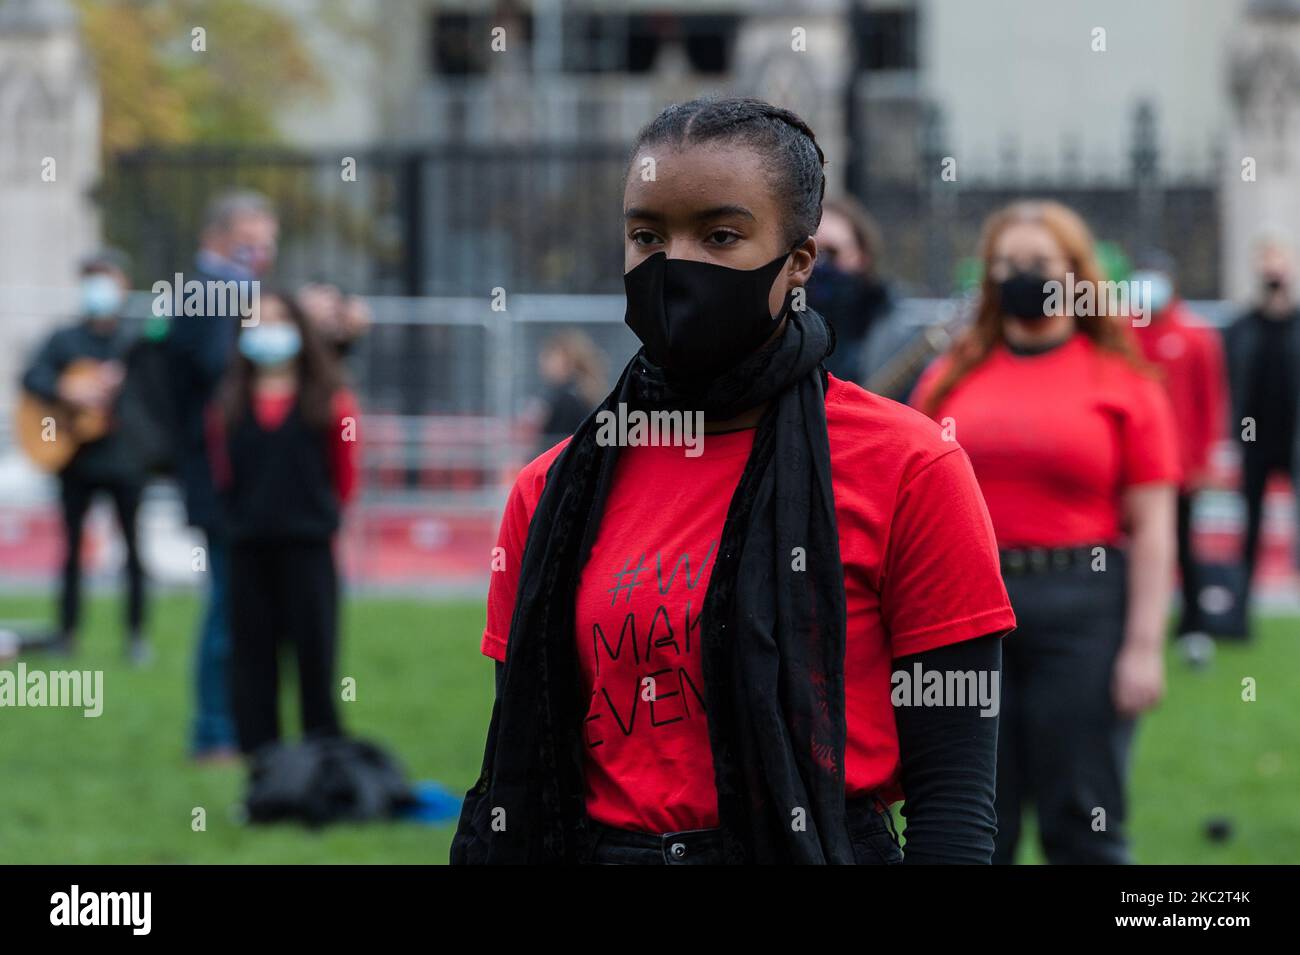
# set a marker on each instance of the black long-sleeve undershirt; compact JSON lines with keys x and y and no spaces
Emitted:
{"x":948,"y":756}
{"x":949,"y":760}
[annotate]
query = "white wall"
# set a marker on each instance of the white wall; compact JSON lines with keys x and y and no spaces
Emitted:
{"x":1024,"y":71}
{"x":49,"y":112}
{"x":369,"y":68}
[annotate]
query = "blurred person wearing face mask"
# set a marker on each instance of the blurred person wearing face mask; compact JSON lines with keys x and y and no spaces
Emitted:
{"x":1072,"y":440}
{"x":846,"y":287}
{"x":108,"y":464}
{"x":237,"y":244}
{"x":1263,"y":348}
{"x":1190,"y":355}
{"x":283,"y":443}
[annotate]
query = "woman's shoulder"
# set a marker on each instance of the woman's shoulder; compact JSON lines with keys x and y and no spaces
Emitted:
{"x":531,"y":479}
{"x":878,"y":438}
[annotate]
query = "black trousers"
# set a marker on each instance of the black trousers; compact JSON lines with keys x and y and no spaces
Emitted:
{"x":870,"y":832}
{"x":282,"y":593}
{"x":1189,"y":570}
{"x":77,"y":493}
{"x":1061,"y":745}
{"x":1259,"y":462}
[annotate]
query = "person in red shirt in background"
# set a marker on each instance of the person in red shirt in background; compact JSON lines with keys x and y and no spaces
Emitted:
{"x":1190,"y":355}
{"x":283,"y":444}
{"x":699,"y":647}
{"x":1072,"y":440}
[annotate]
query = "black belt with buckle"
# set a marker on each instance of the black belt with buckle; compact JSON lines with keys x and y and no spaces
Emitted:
{"x":1044,"y":560}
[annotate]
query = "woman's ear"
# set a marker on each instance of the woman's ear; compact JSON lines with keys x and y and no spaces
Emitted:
{"x":802,"y":258}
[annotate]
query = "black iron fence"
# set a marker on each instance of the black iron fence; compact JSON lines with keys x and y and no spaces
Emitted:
{"x":466,"y":220}
{"x":448,"y":222}
{"x":440,"y":220}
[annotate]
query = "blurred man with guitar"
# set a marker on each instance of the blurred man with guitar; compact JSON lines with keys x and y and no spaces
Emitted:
{"x":67,"y":424}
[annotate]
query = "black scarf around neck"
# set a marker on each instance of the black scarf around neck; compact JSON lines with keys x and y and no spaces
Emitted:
{"x":772,"y":633}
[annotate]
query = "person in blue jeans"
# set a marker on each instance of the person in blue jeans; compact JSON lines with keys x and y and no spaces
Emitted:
{"x":237,"y":245}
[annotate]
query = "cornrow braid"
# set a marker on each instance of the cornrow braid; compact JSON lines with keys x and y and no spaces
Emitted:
{"x":785,"y":141}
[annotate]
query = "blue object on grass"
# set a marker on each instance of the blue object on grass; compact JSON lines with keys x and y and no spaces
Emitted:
{"x":434,"y":804}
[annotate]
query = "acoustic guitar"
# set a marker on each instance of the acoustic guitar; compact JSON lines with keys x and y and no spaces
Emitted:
{"x":933,"y":340}
{"x":51,"y":432}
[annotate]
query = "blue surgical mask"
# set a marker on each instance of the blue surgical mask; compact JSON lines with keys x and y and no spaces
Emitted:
{"x":1159,"y":293}
{"x":256,"y":259}
{"x":269,"y":345}
{"x":101,"y":296}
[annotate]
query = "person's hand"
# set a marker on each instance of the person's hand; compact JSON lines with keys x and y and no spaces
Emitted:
{"x":1138,"y":681}
{"x":320,"y":303}
{"x":94,"y":392}
{"x":80,"y":392}
{"x":354,"y":317}
{"x":111,"y":376}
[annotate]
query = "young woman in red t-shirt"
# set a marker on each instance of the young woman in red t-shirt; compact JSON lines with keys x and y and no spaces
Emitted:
{"x":696,"y":643}
{"x":1073,"y":443}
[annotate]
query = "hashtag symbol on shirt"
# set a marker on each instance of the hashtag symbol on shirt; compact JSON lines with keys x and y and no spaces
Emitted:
{"x":621,"y":576}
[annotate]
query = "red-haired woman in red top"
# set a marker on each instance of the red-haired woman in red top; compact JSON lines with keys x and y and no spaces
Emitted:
{"x":1073,"y":443}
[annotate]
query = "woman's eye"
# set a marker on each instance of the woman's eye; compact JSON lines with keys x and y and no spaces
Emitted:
{"x":722,"y":237}
{"x":641,"y":237}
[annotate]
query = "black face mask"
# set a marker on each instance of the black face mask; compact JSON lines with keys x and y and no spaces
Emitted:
{"x":845,"y":299}
{"x":1022,"y":296}
{"x":697,"y":319}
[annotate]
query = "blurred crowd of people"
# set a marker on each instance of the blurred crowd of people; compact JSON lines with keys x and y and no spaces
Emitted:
{"x":1091,"y":432}
{"x":1255,"y":383}
{"x":250,"y":412}
{"x":1084,"y":428}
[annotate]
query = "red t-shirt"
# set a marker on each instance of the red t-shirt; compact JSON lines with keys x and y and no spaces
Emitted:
{"x":1055,"y":439}
{"x":920,"y":571}
{"x":1191,"y":357}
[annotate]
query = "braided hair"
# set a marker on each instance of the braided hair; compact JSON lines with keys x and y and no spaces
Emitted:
{"x":786,"y":141}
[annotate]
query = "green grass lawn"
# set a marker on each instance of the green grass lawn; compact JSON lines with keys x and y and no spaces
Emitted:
{"x":120,"y":789}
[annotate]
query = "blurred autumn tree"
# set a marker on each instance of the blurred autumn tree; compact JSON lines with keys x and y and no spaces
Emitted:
{"x":158,"y":91}
{"x":160,"y":97}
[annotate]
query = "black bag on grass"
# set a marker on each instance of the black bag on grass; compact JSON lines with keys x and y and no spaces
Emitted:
{"x":320,"y":781}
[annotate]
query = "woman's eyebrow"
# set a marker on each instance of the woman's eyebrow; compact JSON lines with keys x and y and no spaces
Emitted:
{"x":716,"y":212}
{"x":638,"y":213}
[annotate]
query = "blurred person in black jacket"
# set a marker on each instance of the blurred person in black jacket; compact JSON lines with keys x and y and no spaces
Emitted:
{"x":237,"y":245}
{"x":1263,"y":356}
{"x":846,"y":288}
{"x":573,"y":370}
{"x":111,"y":464}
